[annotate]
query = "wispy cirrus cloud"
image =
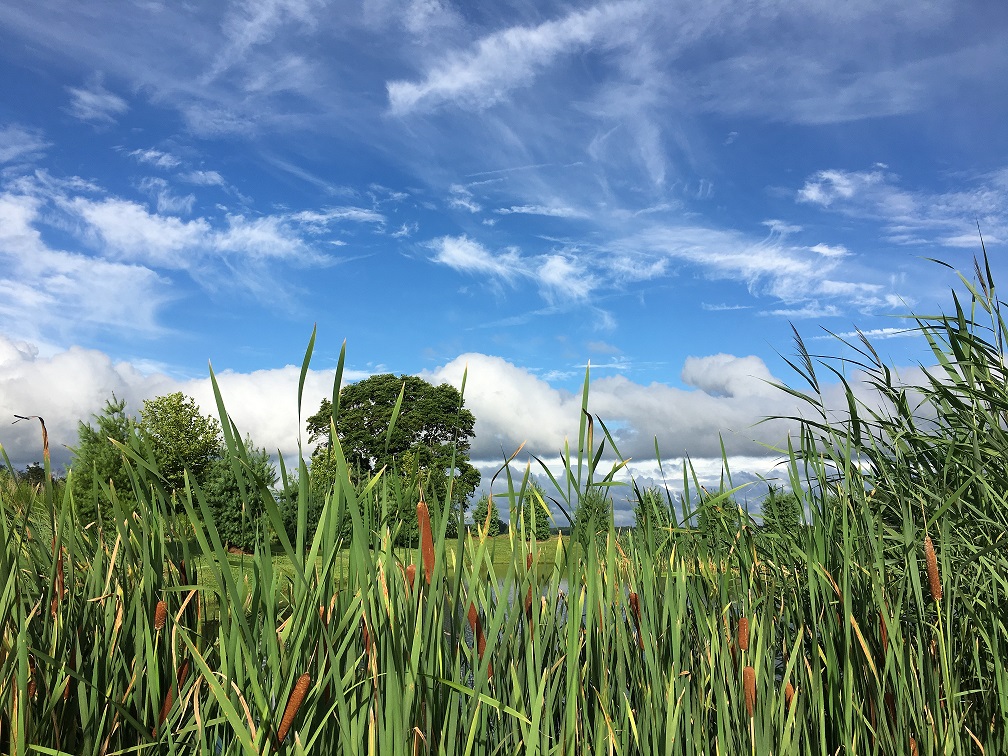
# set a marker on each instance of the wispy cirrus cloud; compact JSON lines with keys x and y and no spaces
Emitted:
{"x":95,"y":104}
{"x":467,"y":256}
{"x":505,"y":60}
{"x":154,"y":157}
{"x":18,"y":143}
{"x":551,"y":211}
{"x":915,"y":216}
{"x":560,"y":275}
{"x":50,"y":292}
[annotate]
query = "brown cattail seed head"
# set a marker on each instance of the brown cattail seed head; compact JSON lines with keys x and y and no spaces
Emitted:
{"x":477,"y":628}
{"x":789,"y":694}
{"x":913,"y":746}
{"x":160,"y":614}
{"x":297,"y":697}
{"x":749,"y":689}
{"x":365,"y":636}
{"x":180,"y":677}
{"x":411,"y":575}
{"x":635,"y":608}
{"x":934,"y":578}
{"x":743,"y":633}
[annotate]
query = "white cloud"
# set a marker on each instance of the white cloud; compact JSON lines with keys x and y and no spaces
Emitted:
{"x":73,"y":384}
{"x":810,"y":310}
{"x":513,"y":406}
{"x":765,"y":266}
{"x":318,"y":221}
{"x":468,"y":256}
{"x":552,"y":211}
{"x":253,"y":23}
{"x":563,"y":278}
{"x":829,"y":186}
{"x":723,"y":307}
{"x":727,"y":375}
{"x":63,"y":388}
{"x":96,"y":104}
{"x":502,"y":61}
{"x":915,"y":216}
{"x":837,"y":250}
{"x":156,"y":158}
{"x":50,"y":291}
{"x":461,"y":198}
{"x":128,"y":231}
{"x":204,"y":178}
{"x":781,"y":227}
{"x":874,"y":334}
{"x":18,"y":143}
{"x":405,"y":231}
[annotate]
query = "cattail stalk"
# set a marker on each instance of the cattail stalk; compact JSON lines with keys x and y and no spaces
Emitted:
{"x":426,"y":539}
{"x":528,"y":596}
{"x":297,"y":697}
{"x":934,"y":577}
{"x":749,"y":689}
{"x":58,"y":587}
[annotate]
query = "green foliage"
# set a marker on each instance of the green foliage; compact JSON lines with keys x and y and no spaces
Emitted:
{"x":719,"y":520}
{"x":653,"y":509}
{"x":97,"y":463}
{"x":239,"y":518}
{"x":493,"y":527}
{"x":593,"y":517}
{"x":781,"y":512}
{"x":180,"y":437}
{"x":432,"y":426}
{"x":534,"y":501}
{"x":850,"y":647}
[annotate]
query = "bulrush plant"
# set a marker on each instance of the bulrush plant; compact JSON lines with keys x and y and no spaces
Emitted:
{"x":629,"y":651}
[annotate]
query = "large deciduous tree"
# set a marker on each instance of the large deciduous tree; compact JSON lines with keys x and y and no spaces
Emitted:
{"x":180,"y":437}
{"x":431,"y":425}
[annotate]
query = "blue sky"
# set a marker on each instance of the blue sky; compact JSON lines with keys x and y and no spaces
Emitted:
{"x":661,"y":188}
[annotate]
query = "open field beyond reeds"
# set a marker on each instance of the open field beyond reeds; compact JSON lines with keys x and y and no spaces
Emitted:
{"x":880,"y":626}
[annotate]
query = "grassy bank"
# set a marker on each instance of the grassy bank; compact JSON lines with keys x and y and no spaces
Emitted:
{"x":878,"y":626}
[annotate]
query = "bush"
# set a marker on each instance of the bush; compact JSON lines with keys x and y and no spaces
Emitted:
{"x":96,"y":461}
{"x":480,"y":516}
{"x":535,"y":500}
{"x":593,"y":517}
{"x":240,"y":522}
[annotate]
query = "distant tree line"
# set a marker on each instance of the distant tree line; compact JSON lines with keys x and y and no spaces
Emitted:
{"x":426,"y":453}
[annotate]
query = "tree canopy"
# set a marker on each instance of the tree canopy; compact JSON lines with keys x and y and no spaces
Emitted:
{"x":180,"y":437}
{"x":96,"y":461}
{"x":431,"y":424}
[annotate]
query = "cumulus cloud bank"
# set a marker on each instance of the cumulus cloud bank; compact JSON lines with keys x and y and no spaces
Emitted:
{"x":512,"y":405}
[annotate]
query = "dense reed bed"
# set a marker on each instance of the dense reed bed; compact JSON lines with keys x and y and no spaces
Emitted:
{"x":877,"y":627}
